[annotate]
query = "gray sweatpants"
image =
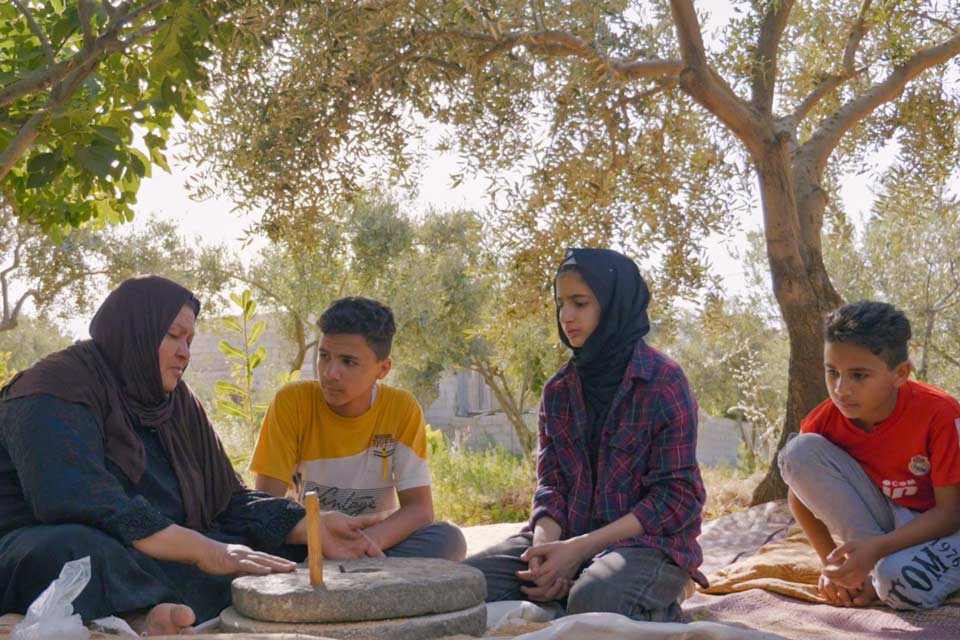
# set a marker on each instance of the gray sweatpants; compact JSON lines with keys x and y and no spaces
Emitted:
{"x":840,"y":494}
{"x":638,"y":582}
{"x":436,"y":540}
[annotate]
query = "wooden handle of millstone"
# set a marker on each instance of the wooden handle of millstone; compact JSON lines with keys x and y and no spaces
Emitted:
{"x":314,"y":543}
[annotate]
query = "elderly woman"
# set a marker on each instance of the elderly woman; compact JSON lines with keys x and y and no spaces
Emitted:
{"x":105,"y":452}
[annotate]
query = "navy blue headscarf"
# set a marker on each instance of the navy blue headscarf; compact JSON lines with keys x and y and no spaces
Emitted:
{"x":623,"y":296}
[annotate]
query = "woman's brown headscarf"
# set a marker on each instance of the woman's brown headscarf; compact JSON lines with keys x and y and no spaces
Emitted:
{"x":117,"y":376}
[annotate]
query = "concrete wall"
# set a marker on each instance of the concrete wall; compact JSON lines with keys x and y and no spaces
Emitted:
{"x":208,"y":364}
{"x":717,"y":441}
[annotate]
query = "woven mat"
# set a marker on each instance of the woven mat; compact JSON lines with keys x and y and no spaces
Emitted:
{"x":796,"y":619}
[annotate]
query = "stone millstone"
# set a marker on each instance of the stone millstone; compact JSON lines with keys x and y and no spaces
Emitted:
{"x":472,"y":622}
{"x":358,"y":590}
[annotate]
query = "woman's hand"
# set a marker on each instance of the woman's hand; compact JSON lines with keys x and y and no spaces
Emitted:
{"x":550,"y":565}
{"x":555,"y":591}
{"x":236,"y":559}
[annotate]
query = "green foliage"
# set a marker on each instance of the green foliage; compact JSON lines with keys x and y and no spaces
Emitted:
{"x":348,"y":85}
{"x":435,"y":441}
{"x":452,"y":303}
{"x":737,"y":366}
{"x":235,"y":397}
{"x":906,"y":254}
{"x":46,"y":272}
{"x":32,"y":339}
{"x":6,"y":372}
{"x":313,"y":93}
{"x":65,"y":277}
{"x":78,"y":144}
{"x":446,"y":290}
{"x":480,"y":486}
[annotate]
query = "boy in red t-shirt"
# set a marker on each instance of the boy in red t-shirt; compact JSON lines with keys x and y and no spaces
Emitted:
{"x":878,"y":466}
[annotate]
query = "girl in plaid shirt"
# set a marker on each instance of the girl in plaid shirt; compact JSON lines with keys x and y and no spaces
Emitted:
{"x":617,"y":508}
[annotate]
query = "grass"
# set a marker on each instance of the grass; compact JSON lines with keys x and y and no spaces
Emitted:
{"x":480,"y":486}
{"x":491,"y":485}
{"x":728,"y":490}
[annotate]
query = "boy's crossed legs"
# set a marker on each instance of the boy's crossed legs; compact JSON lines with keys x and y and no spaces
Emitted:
{"x":436,"y":540}
{"x":836,"y":489}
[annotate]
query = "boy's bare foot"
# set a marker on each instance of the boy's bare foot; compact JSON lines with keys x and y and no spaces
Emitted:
{"x":163,"y":619}
{"x":867,"y":594}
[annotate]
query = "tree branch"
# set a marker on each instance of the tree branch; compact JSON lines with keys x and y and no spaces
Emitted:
{"x":11,"y":321}
{"x":946,"y":356}
{"x":61,"y":92}
{"x":16,"y":259}
{"x":849,"y":60}
{"x":765,"y":60}
{"x":944,"y":302}
{"x":825,"y":139}
{"x":83,"y":14}
{"x":12,"y":125}
{"x":823,"y":88}
{"x":108,"y":42}
{"x":63,"y":283}
{"x":940,"y":22}
{"x":43,"y":78}
{"x":4,"y":283}
{"x":36,"y":30}
{"x":31,"y":129}
{"x":125,"y":15}
{"x":141,"y":33}
{"x":705,"y":86}
{"x":556,"y":43}
{"x":440,"y":62}
{"x":847,"y":66}
{"x":506,"y":401}
{"x":411,"y":56}
{"x":108,"y":8}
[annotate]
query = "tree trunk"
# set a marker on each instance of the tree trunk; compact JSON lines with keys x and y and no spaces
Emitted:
{"x":513,"y":412}
{"x":793,"y":208}
{"x":301,"y":339}
{"x":929,"y":321}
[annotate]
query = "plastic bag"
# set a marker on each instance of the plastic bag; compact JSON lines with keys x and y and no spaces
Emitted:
{"x":51,"y":615}
{"x":115,"y":626}
{"x":506,"y":612}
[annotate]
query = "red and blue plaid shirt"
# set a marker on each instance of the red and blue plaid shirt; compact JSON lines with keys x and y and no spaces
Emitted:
{"x":646,"y":465}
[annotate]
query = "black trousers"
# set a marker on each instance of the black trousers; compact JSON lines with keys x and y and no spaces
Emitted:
{"x":122,"y":578}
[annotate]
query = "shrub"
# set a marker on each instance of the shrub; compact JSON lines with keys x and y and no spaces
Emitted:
{"x":479,"y":486}
{"x":728,"y":490}
{"x":5,"y":372}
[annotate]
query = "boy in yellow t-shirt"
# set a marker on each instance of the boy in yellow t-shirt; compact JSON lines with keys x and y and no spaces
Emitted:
{"x":360,"y":444}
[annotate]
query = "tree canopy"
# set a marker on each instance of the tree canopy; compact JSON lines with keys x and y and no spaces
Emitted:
{"x":88,"y":95}
{"x":63,"y":278}
{"x":602,"y":123}
{"x":445,"y":288}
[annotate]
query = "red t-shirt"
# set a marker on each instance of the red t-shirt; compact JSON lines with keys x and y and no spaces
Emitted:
{"x":914,"y":450}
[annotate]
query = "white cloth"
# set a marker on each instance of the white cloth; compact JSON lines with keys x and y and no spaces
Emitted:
{"x":613,"y":626}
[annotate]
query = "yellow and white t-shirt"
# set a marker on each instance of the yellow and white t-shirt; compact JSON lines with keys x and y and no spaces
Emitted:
{"x":356,"y":465}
